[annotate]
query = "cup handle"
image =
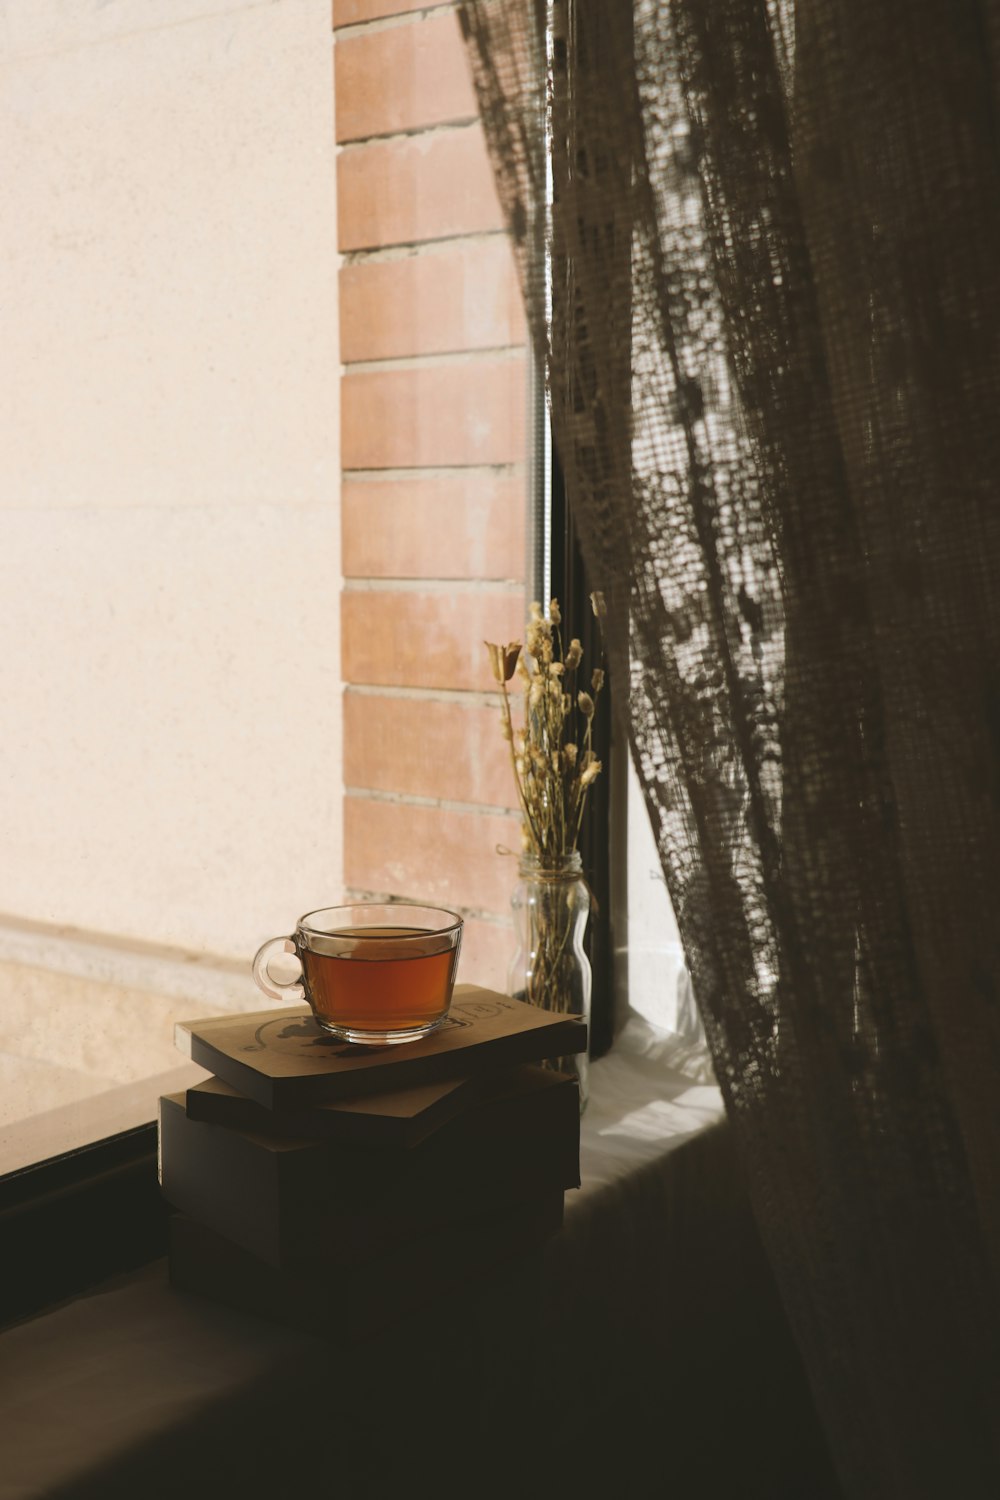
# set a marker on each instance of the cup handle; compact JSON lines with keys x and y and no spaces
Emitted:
{"x":263,"y":980}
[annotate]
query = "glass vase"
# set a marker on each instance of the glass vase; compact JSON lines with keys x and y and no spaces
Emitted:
{"x":550,"y":969}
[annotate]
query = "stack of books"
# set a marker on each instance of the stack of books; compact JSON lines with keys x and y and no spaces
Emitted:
{"x":335,"y":1187}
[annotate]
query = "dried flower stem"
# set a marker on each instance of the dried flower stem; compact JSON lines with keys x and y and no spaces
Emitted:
{"x":553,"y":760}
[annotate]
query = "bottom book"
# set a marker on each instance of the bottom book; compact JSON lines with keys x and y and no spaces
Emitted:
{"x":373,"y":1296}
{"x":324,"y":1206}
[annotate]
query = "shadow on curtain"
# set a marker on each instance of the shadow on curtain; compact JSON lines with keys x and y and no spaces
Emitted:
{"x":764,"y":274}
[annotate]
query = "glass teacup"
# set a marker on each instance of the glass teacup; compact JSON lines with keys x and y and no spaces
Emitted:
{"x":371,"y":974}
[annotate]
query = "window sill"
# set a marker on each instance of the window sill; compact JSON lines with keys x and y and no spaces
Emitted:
{"x":654,"y":1287}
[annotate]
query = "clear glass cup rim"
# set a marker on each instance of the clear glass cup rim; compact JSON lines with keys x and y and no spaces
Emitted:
{"x":348,"y":916}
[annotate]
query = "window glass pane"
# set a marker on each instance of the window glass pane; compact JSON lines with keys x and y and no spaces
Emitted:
{"x":659,"y":987}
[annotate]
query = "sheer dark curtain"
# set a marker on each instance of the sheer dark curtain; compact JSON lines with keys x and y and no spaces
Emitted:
{"x":773,"y":354}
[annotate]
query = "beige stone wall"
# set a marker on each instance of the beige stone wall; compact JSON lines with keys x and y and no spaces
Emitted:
{"x":170,"y":762}
{"x":170,"y":720}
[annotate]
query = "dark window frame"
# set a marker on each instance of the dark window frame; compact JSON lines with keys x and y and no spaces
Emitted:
{"x":571,"y":587}
{"x":570,"y":49}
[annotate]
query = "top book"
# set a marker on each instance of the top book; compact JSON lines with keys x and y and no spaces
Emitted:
{"x":284,"y":1060}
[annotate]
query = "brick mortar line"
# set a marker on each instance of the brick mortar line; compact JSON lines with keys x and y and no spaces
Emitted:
{"x":466,"y":697}
{"x":429,"y":242}
{"x":437,"y":804}
{"x":498,"y":354}
{"x":366,"y":584}
{"x":407,"y":132}
{"x":434,"y":471}
{"x":386,"y":137}
{"x":470,"y":913}
{"x":390,"y":23}
{"x":407,"y":249}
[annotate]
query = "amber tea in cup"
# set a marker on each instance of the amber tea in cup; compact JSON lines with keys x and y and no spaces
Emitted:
{"x":371,"y":974}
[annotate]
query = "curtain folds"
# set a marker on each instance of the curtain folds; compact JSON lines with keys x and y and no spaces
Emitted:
{"x":759,"y":242}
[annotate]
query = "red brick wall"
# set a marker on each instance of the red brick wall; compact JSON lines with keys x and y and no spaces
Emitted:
{"x":433,"y":450}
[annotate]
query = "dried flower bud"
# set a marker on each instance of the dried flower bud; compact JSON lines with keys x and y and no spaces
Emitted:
{"x":567,"y":704}
{"x":590,"y":773}
{"x":539,"y":635}
{"x":586,"y":705}
{"x":511,"y":656}
{"x":570,"y":752}
{"x":556,"y":668}
{"x":597,"y":679}
{"x":496,"y":659}
{"x":574,"y":654}
{"x":503,"y":660}
{"x":555,"y":614}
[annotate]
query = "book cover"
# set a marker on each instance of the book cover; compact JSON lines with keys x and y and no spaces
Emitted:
{"x":283,"y":1060}
{"x":376,"y":1294}
{"x":301,"y":1204}
{"x":398,"y":1120}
